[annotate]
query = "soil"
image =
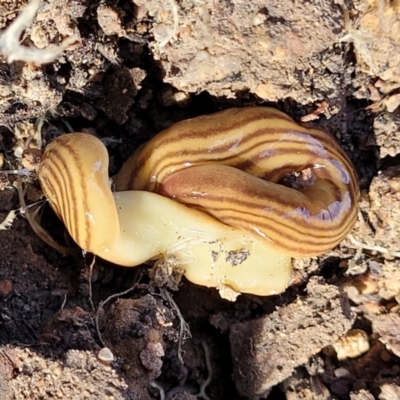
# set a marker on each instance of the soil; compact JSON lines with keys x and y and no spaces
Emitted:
{"x":135,"y":68}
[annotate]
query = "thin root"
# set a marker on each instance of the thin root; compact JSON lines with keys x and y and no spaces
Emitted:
{"x":361,"y":42}
{"x":10,"y":45}
{"x":175,"y":16}
{"x":202,"y":393}
{"x":40,"y":232}
{"x":26,"y":173}
{"x":184,"y":330}
{"x":104,"y":302}
{"x":157,"y":386}
{"x":90,"y":282}
{"x":379,"y":249}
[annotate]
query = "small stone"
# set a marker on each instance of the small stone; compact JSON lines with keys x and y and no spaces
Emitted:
{"x":6,"y":287}
{"x":388,"y":327}
{"x":105,"y":356}
{"x":162,"y":32}
{"x":341,"y":372}
{"x":109,"y":20}
{"x":392,"y":151}
{"x":259,"y":19}
{"x":18,"y":150}
{"x":392,"y":102}
{"x":182,"y":98}
{"x":352,"y":345}
{"x":228,"y":293}
{"x":139,"y":12}
{"x":31,"y":158}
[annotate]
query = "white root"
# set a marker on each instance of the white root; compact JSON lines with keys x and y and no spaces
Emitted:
{"x":379,"y":249}
{"x":11,"y":48}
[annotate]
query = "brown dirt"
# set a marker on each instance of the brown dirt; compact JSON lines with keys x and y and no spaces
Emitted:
{"x":137,"y":68}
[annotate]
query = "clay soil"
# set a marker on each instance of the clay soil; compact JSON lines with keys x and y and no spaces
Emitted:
{"x":136,"y":68}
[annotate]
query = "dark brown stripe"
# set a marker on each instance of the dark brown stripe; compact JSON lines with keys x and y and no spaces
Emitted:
{"x":67,"y":177}
{"x":290,"y":244}
{"x":289,"y":147}
{"x":170,"y":149}
{"x":275,"y":217}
